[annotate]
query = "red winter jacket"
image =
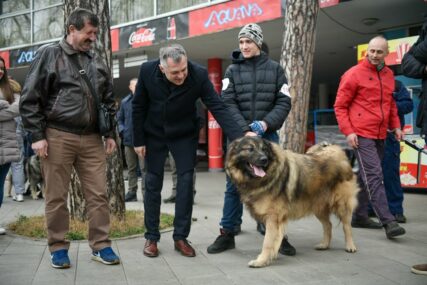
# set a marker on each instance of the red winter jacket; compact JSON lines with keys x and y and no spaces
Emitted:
{"x":364,"y":103}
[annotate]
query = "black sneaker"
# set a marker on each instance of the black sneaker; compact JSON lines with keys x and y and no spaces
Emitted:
{"x":170,"y":199}
{"x":400,"y":218}
{"x":260,"y":227}
{"x":393,"y":230}
{"x":365,"y":224}
{"x":130,"y":196}
{"x":286,"y":248}
{"x":223,"y":242}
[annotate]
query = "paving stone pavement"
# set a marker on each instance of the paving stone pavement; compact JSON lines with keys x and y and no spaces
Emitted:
{"x":378,"y":260}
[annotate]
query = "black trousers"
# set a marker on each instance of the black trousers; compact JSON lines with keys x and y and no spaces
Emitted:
{"x":184,"y":153}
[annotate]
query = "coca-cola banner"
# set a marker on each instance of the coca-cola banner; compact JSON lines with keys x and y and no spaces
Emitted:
{"x":397,"y":49}
{"x":155,"y":31}
{"x":232,"y":14}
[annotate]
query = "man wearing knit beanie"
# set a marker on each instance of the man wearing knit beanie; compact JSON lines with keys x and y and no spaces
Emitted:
{"x":253,"y":32}
{"x":255,"y":90}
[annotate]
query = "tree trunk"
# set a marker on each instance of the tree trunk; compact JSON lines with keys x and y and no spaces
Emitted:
{"x":115,"y":182}
{"x":297,"y":60}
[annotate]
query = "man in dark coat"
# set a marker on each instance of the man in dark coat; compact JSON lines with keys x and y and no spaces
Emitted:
{"x":124,"y":120}
{"x":391,"y":160}
{"x":414,"y":64}
{"x":165,"y":119}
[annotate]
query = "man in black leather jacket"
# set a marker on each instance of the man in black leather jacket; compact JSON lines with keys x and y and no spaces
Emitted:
{"x":255,"y":89}
{"x":58,"y":109}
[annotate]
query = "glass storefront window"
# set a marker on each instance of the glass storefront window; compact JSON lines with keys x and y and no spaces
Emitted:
{"x":123,"y":11}
{"x":39,"y":4}
{"x":15,"y":30}
{"x":164,"y":6}
{"x":48,"y":24}
{"x":9,"y":6}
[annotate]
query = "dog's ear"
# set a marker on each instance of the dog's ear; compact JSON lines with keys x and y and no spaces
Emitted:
{"x":233,"y":148}
{"x":267,"y":147}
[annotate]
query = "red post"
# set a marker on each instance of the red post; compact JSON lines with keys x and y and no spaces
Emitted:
{"x":215,"y":151}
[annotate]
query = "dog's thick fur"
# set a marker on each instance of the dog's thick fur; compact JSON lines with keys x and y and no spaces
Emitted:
{"x":278,"y":185}
{"x":34,"y":177}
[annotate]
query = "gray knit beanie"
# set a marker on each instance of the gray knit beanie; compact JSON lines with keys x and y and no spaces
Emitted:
{"x":253,"y":32}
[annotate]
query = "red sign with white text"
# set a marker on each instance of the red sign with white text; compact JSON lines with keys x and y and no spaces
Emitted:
{"x":142,"y":37}
{"x":5,"y":56}
{"x":232,"y":14}
{"x":328,"y":3}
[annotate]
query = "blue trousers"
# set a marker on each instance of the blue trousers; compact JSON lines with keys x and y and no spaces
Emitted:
{"x":233,"y":209}
{"x":391,"y":171}
{"x":4,"y":169}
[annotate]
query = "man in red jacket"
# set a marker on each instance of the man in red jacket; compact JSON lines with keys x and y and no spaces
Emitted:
{"x":365,"y":110}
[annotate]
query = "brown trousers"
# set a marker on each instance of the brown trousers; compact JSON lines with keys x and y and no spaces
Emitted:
{"x":86,"y":153}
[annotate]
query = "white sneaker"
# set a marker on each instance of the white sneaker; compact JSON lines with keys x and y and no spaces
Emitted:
{"x":18,"y":198}
{"x":2,"y":231}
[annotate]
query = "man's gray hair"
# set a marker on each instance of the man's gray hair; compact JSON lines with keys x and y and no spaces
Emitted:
{"x":173,"y":51}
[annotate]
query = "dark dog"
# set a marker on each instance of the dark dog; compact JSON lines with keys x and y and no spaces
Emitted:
{"x":34,"y":177}
{"x":279,"y":185}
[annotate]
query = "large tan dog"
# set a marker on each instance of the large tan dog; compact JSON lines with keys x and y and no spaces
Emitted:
{"x":278,"y":185}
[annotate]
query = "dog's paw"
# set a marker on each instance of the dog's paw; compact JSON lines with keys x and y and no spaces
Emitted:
{"x":256,"y":263}
{"x":35,"y":197}
{"x":351,"y":249}
{"x":322,"y":246}
{"x":275,"y":255}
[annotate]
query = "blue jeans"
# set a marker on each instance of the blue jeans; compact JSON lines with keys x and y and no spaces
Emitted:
{"x":391,"y":171}
{"x":4,"y":169}
{"x":17,"y":167}
{"x":233,"y":209}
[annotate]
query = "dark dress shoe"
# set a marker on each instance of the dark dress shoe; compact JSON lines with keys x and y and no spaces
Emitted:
{"x":171,"y":199}
{"x":260,"y":227}
{"x":365,"y":224}
{"x":400,"y":218}
{"x":185,"y":248}
{"x":150,"y":248}
{"x":130,"y":196}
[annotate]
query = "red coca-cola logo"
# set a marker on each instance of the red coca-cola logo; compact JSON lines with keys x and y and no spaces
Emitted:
{"x":142,"y":37}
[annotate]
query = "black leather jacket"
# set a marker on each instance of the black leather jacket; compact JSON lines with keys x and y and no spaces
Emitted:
{"x":56,"y":96}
